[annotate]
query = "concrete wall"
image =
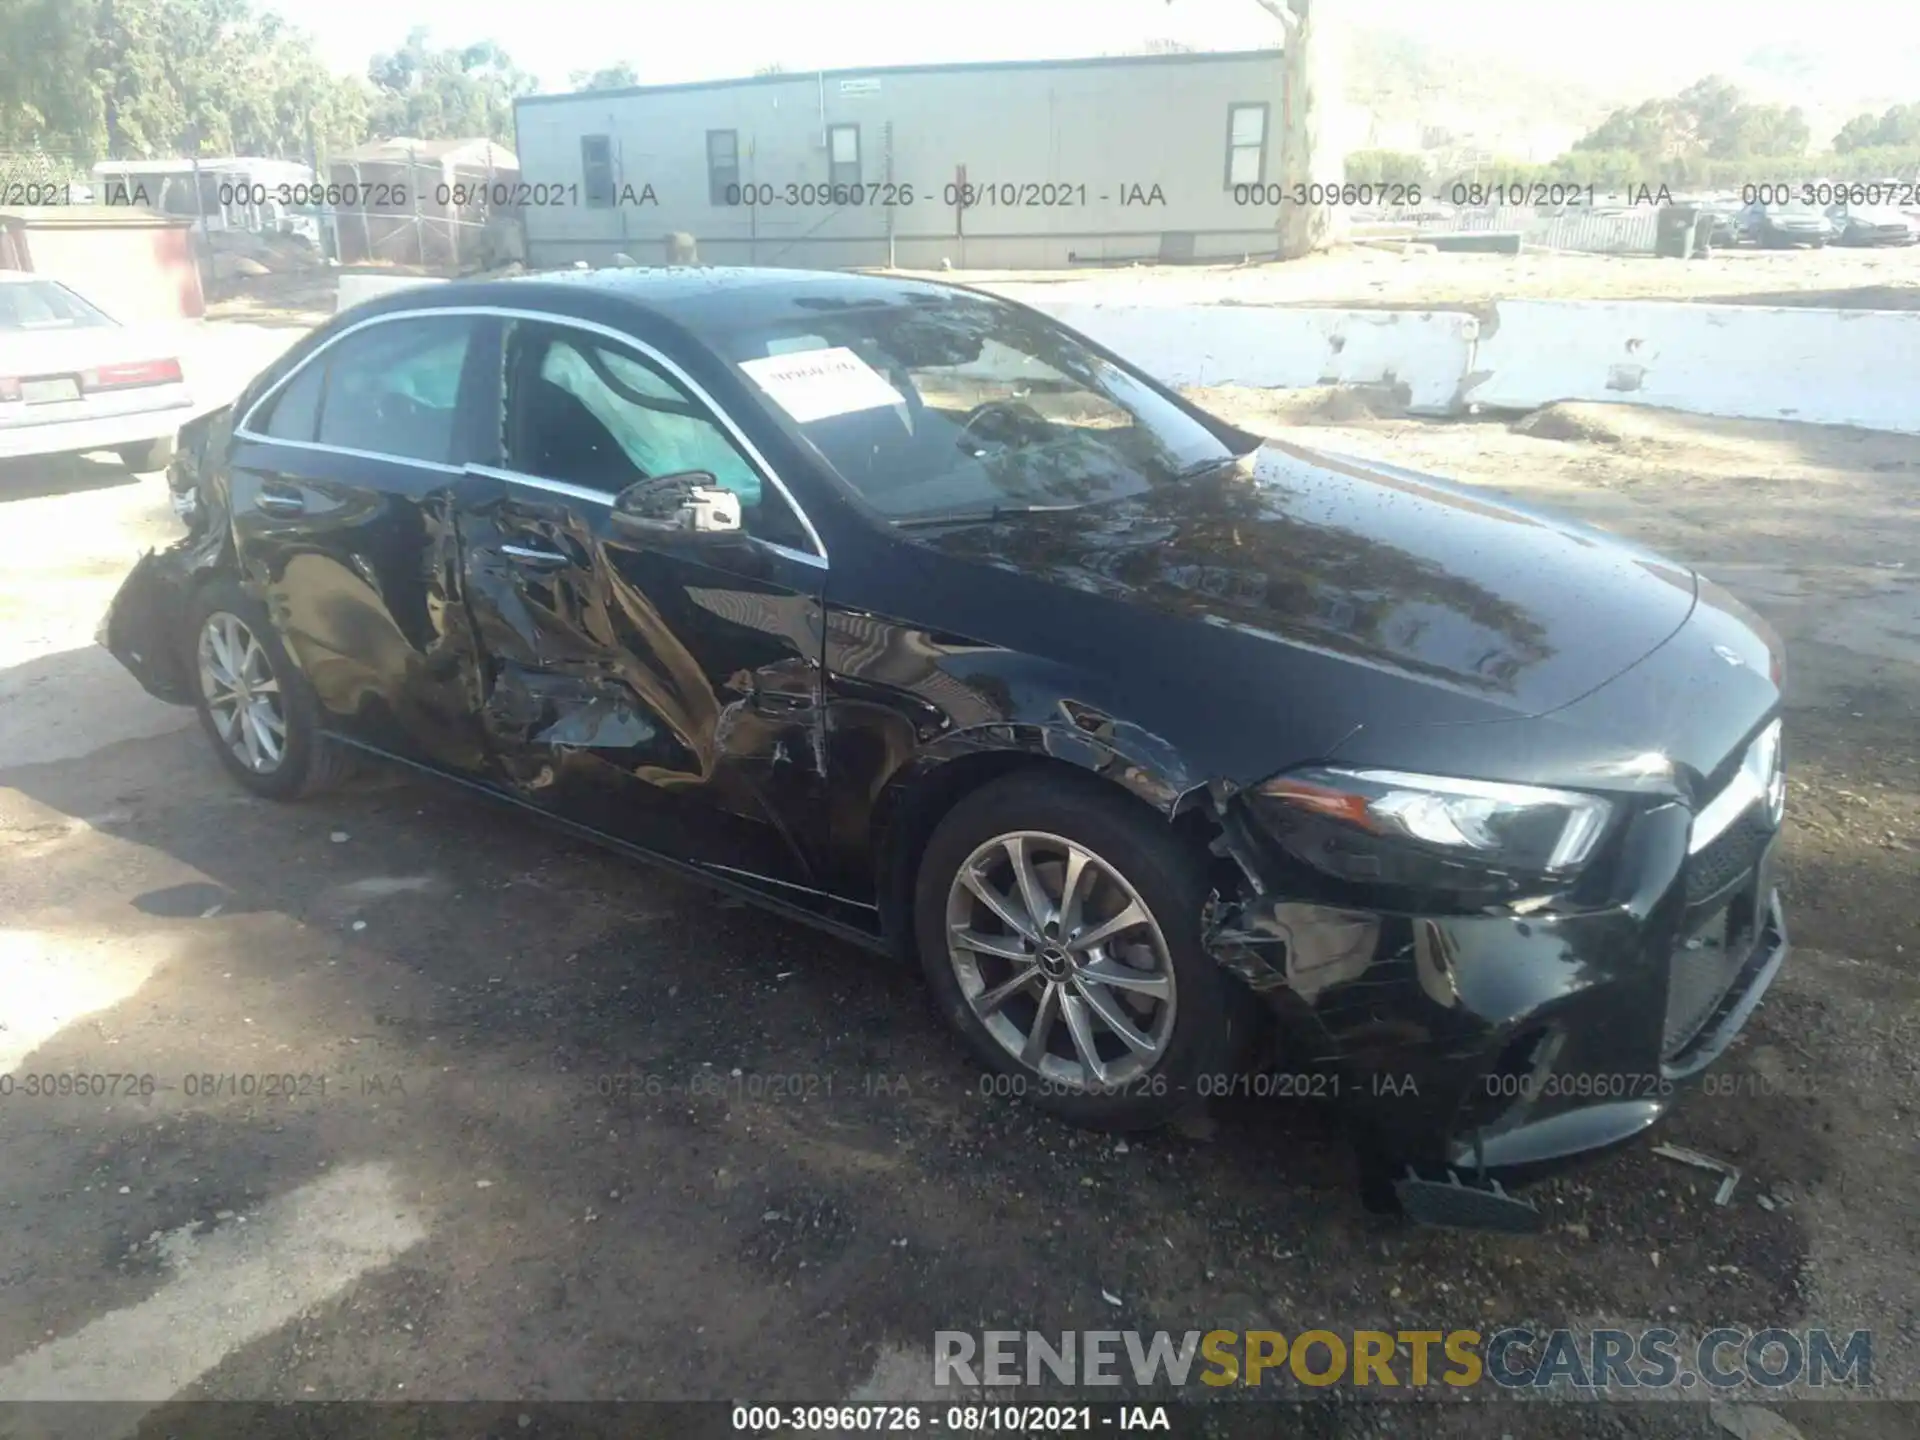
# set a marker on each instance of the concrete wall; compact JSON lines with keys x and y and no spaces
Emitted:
{"x":1094,"y":130}
{"x":1425,"y":351}
{"x":1832,"y":367}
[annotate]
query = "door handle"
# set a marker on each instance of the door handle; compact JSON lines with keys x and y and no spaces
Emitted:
{"x":279,"y":502}
{"x":535,"y":559}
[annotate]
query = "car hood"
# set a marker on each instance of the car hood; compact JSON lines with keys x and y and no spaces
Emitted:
{"x":1370,"y":563}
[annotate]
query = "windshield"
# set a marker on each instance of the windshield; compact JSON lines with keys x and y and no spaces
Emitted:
{"x":962,"y":406}
{"x":45,"y":305}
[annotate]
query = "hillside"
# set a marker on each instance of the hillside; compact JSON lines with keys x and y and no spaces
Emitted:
{"x":1408,"y":84}
{"x":1506,"y":105}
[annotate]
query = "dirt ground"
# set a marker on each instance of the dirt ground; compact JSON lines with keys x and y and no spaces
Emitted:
{"x":561,"y":1128}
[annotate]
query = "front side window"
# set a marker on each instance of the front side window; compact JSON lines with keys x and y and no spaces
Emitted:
{"x":596,"y":171}
{"x":1246,"y":144}
{"x":394,"y":387}
{"x":723,"y":167}
{"x":593,"y":413}
{"x":964,"y":404}
{"x":843,"y":155}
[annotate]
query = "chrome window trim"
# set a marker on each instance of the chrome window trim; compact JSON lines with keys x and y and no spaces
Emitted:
{"x":540,"y":482}
{"x":244,"y":429}
{"x":439,"y":466}
{"x":606,"y":497}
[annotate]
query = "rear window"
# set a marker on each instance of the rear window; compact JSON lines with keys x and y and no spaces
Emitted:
{"x":45,"y":305}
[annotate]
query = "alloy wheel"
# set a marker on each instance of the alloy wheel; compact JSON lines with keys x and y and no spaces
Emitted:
{"x":242,"y":693}
{"x":1061,"y":960}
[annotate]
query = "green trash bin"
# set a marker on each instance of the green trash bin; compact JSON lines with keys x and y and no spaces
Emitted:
{"x":1675,"y":231}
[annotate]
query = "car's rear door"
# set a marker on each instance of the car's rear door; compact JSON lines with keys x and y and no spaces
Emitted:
{"x":662,"y":689}
{"x":342,"y":481}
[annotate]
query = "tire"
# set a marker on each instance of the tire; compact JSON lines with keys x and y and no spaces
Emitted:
{"x":154,"y":455}
{"x":307,"y":762}
{"x":1129,"y":854}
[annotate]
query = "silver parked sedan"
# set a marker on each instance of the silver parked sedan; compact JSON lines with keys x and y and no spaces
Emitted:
{"x":74,"y":379}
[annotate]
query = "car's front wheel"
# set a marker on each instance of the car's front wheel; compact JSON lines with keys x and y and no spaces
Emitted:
{"x":253,"y":705}
{"x":1059,"y":924}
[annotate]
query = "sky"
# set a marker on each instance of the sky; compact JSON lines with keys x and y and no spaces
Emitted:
{"x":1601,"y":41}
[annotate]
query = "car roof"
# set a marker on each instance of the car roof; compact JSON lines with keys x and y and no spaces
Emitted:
{"x":25,"y":277}
{"x":708,"y":297}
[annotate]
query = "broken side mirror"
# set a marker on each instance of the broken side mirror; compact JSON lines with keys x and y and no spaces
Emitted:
{"x":690,"y":502}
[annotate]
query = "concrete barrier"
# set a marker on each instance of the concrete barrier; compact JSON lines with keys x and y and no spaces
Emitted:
{"x":1758,"y":362}
{"x":1426,"y":351}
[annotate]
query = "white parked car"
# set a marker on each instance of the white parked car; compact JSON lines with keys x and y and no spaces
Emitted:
{"x":74,"y":379}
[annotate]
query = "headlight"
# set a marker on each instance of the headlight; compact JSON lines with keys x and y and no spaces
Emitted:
{"x":1519,"y":827}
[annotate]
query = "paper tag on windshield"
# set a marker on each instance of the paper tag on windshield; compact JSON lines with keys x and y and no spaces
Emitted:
{"x":816,"y":384}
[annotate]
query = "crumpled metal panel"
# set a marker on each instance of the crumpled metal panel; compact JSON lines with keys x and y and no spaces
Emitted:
{"x":145,"y":622}
{"x":571,"y":711}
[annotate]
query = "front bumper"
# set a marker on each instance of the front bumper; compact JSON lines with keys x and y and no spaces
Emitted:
{"x":1500,"y":1046}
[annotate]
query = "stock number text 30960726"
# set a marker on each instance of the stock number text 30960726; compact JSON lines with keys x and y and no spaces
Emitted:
{"x":955,"y":194}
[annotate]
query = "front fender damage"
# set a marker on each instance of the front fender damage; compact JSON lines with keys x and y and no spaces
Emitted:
{"x":1273,"y":942}
{"x":1302,"y":958}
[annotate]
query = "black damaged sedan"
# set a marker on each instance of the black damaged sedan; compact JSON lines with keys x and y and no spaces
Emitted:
{"x":1174,"y":756}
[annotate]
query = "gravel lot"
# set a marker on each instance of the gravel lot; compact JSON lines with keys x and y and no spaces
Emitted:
{"x":476,"y":1205}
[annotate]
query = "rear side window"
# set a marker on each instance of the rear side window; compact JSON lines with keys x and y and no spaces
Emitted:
{"x":394,"y":388}
{"x":294,"y":414}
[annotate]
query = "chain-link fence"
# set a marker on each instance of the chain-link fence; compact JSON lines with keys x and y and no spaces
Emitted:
{"x":408,"y":208}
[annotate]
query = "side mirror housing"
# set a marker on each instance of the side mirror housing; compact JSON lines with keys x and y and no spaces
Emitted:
{"x":691,"y":502}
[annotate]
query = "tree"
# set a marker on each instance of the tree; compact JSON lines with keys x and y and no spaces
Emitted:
{"x":445,"y":94}
{"x":618,"y":76}
{"x":1709,"y":120}
{"x":145,"y":78}
{"x":1307,"y":155}
{"x":46,"y":86}
{"x":1386,"y":167}
{"x":1899,"y":125}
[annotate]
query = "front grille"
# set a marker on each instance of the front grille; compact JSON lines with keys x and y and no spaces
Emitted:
{"x":1728,"y":856}
{"x":1711,"y":954}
